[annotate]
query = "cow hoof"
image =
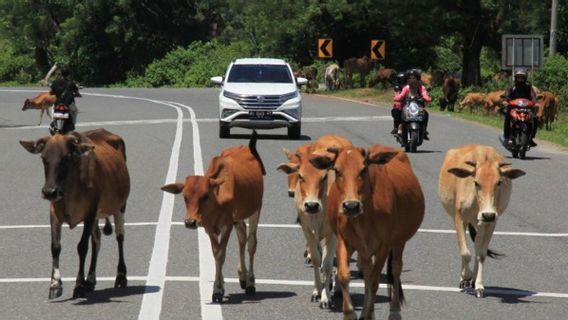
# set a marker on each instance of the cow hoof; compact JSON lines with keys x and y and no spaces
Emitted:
{"x":121,"y":281}
{"x":315,"y":297}
{"x":308,"y":260}
{"x":243,"y":284}
{"x":88,"y":286}
{"x":479,"y":293}
{"x":395,"y":316}
{"x":55,"y":292}
{"x":217,"y":297}
{"x":251,"y":291}
{"x":325,"y":305}
{"x":465,"y":284}
{"x":78,"y":292}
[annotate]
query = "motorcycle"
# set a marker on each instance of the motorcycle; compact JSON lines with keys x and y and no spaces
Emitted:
{"x":62,"y":121}
{"x":413,"y":116}
{"x":522,"y":114}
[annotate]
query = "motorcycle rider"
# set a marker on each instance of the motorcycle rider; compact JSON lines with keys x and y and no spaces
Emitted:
{"x":65,"y":91}
{"x":396,"y":112}
{"x":415,"y":88}
{"x":520,"y":89}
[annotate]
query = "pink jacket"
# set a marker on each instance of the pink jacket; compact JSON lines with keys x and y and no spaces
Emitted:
{"x":406,"y":91}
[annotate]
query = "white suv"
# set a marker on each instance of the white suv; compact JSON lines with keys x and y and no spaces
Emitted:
{"x":260,"y":94}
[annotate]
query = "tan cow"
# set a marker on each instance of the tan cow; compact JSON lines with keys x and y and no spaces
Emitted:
{"x":230,"y":192}
{"x":362,"y":66}
{"x":426,"y":79}
{"x":494,"y":101}
{"x":374,"y":207}
{"x":311,"y":195}
{"x":331,"y":77}
{"x":384,"y":76}
{"x":86,"y":179}
{"x":472,"y":100}
{"x":548,"y":109}
{"x":43,"y":101}
{"x":475,"y":188}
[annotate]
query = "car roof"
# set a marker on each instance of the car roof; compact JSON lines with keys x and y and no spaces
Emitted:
{"x":259,"y":61}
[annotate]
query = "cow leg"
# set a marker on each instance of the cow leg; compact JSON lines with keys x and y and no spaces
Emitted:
{"x":372,"y":271}
{"x":95,"y":247}
{"x":56,"y":287}
{"x":485,"y":231}
{"x":465,"y":274}
{"x":82,"y":249}
{"x":40,"y":116}
{"x":121,"y":281}
{"x":328,"y":248}
{"x":313,"y":244}
{"x":343,"y":275}
{"x":395,"y":289}
{"x":241,"y":229}
{"x":251,"y":245}
{"x":219,"y":247}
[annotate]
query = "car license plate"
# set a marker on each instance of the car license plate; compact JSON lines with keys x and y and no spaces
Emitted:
{"x":59,"y":115}
{"x":260,"y":115}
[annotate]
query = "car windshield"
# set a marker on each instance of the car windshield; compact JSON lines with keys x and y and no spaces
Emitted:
{"x":260,"y":73}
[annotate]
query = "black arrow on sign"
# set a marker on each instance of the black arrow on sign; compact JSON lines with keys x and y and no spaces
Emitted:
{"x":376,"y":48}
{"x":323,"y":48}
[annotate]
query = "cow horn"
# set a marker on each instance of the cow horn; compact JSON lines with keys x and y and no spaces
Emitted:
{"x":504,"y":164}
{"x":333,"y":150}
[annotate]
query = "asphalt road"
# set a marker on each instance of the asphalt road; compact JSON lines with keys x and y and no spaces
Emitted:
{"x":166,"y":262}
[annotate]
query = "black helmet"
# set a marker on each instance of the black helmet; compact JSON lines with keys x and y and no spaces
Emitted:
{"x":521,"y":72}
{"x":401,"y":77}
{"x":415,"y":73}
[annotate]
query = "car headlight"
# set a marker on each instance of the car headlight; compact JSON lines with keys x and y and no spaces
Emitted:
{"x":288,"y":96}
{"x":231,"y":95}
{"x":294,"y":113}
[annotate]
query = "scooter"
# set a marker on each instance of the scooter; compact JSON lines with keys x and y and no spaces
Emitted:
{"x":412,"y":126}
{"x":62,"y":121}
{"x":522,"y":115}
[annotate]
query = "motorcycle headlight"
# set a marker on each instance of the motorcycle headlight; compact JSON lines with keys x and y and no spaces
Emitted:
{"x":413,"y":109}
{"x":522,"y":103}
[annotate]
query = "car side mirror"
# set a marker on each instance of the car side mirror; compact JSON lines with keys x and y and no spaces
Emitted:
{"x":301,"y":81}
{"x":217,"y":80}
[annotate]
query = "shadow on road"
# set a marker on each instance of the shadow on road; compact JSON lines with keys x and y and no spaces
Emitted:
{"x":109,"y":295}
{"x":529,"y":158}
{"x":507,"y":295}
{"x":269,"y":137}
{"x":239,"y":298}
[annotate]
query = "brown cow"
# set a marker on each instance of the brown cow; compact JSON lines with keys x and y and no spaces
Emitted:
{"x":374,"y":207}
{"x":472,"y":100}
{"x":474,"y":188}
{"x":311,"y":74}
{"x":331,"y":77}
{"x":311,"y":194}
{"x":426,"y":79}
{"x":450,"y":89}
{"x":362,"y":66}
{"x":494,"y":101}
{"x":384,"y":76}
{"x":43,"y":101}
{"x":86,"y":179}
{"x":548,"y":109}
{"x":230,"y":192}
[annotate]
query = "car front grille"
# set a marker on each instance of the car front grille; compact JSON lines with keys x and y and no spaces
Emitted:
{"x":254,"y":102}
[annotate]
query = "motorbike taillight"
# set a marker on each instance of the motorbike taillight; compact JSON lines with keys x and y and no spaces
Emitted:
{"x":61,"y":107}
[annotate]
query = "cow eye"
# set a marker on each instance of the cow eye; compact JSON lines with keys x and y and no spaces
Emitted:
{"x":499,"y":183}
{"x":300,"y":178}
{"x":477,"y":185}
{"x":205,"y":197}
{"x":363,"y":172}
{"x":337,"y":173}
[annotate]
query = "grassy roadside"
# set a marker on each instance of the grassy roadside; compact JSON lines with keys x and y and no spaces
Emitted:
{"x":558,"y":135}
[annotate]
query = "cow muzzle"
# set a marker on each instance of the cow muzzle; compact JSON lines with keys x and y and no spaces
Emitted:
{"x":291,"y":193}
{"x":312,"y":207}
{"x":51,"y":193}
{"x":488,"y":216}
{"x":351,"y":208}
{"x":190,"y":224}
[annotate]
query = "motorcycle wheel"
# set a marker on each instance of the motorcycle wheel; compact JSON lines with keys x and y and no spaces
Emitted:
{"x":413,"y":141}
{"x":523,"y":143}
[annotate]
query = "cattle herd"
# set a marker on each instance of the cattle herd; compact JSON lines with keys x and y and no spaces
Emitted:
{"x":349,"y":200}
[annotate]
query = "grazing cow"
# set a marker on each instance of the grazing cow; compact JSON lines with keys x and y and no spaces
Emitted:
{"x":548,"y":110}
{"x":494,"y":101}
{"x":43,"y":101}
{"x":230,"y":192}
{"x":374,"y":207}
{"x":472,"y":100}
{"x":362,"y":66}
{"x":426,"y":79}
{"x":311,"y":74}
{"x":474,"y":188}
{"x":384,"y":76}
{"x":450,"y":89}
{"x":332,"y":77}
{"x":86,"y":179}
{"x":311,"y":195}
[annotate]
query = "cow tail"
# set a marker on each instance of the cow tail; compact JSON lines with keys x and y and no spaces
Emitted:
{"x":490,"y":253}
{"x":107,"y":229}
{"x":252,"y":147}
{"x":390,"y":282}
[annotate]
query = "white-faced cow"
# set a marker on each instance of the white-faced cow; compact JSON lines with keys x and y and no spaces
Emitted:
{"x":331,"y":77}
{"x":86,"y":179}
{"x":474,"y":188}
{"x":230,"y":192}
{"x":374,"y":207}
{"x":311,"y":195}
{"x":43,"y":101}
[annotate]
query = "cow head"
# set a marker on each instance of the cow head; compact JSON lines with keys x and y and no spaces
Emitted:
{"x":491,"y":180}
{"x":309,"y":186}
{"x":352,"y":175}
{"x":294,"y":160}
{"x":58,"y":154}
{"x":27,"y":105}
{"x":202,"y":195}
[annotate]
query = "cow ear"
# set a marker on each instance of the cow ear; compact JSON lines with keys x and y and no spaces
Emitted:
{"x":461,"y":173}
{"x":381,"y":157}
{"x":215,"y":182}
{"x":288,"y":168}
{"x":287,"y":153}
{"x":174,"y":188}
{"x":513,"y":173}
{"x":84,"y":149}
{"x":34,"y":146}
{"x":321,"y":161}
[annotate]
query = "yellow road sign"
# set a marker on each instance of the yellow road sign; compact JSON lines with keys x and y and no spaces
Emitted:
{"x":377,"y":49}
{"x":325,"y":48}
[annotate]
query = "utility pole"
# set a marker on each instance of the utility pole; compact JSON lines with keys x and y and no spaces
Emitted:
{"x":553,"y":16}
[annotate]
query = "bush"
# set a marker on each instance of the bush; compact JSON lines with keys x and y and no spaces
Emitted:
{"x":16,"y":67}
{"x":552,"y":77}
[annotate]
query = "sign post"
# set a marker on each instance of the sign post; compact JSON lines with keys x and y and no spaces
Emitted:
{"x":325,"y":48}
{"x":521,"y":51}
{"x":377,"y":49}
